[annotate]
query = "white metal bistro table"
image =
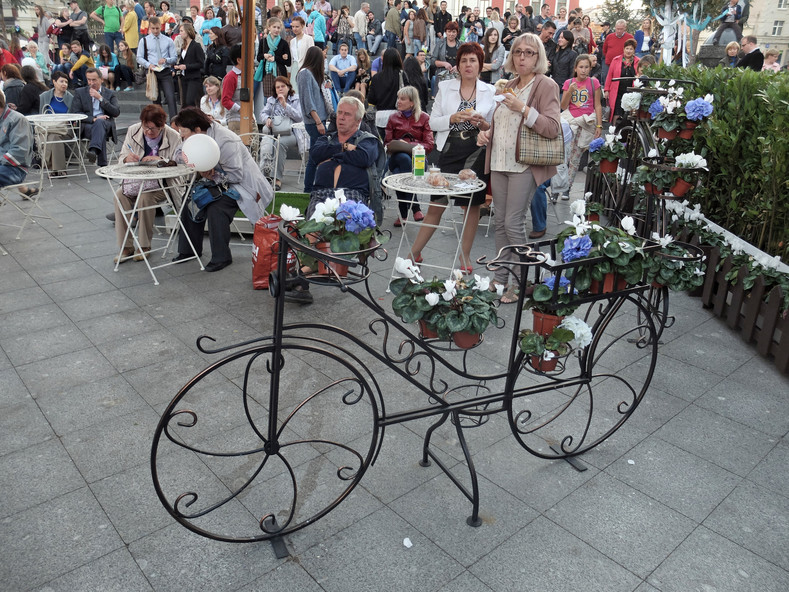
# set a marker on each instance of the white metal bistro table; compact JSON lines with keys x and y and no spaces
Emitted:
{"x":68,"y":126}
{"x":174,"y":181}
{"x":407,"y":183}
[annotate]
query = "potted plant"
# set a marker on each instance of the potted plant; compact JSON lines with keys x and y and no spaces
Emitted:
{"x":686,"y":167}
{"x":461,"y":307}
{"x":676,"y":265}
{"x":550,"y":303}
{"x":339,"y":226}
{"x":607,"y":151}
{"x":585,"y":207}
{"x":616,"y":255}
{"x":544,"y":351}
{"x":656,"y":177}
{"x":667,"y":112}
{"x":696,"y":111}
{"x":631,"y":102}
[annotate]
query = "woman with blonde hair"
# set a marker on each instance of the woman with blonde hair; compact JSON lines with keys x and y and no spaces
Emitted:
{"x":643,"y":38}
{"x":407,"y":127}
{"x":732,"y":55}
{"x":131,"y":32}
{"x":211,"y":102}
{"x":532,"y":100}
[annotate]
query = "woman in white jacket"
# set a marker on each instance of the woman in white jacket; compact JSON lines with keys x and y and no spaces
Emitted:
{"x":463,"y":107}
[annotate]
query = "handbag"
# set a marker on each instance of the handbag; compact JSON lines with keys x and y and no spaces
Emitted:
{"x":533,"y":149}
{"x":151,"y":86}
{"x":261,"y":69}
{"x":328,"y":100}
{"x":131,"y":187}
{"x":204,"y":193}
{"x":281,"y":125}
{"x":53,"y":30}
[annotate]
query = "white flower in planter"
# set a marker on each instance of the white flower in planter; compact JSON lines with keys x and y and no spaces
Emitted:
{"x":432,"y":298}
{"x":406,"y":268}
{"x":578,"y":207}
{"x":663,"y":240}
{"x":481,"y":283}
{"x":289,"y":213}
{"x":631,"y":101}
{"x":628,"y":225}
{"x":581,"y":331}
{"x":709,"y":98}
{"x":451,"y":290}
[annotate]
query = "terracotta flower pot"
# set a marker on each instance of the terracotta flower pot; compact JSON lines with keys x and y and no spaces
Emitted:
{"x":687,"y":131}
{"x":465,"y":340}
{"x":652,"y":189}
{"x":426,"y":331}
{"x":681,"y":187}
{"x":644,"y":115}
{"x":611,"y":283}
{"x":609,"y":166}
{"x":542,"y":365}
{"x":666,"y":135}
{"x":323,"y":268}
{"x":544,"y":323}
{"x":593,"y":217}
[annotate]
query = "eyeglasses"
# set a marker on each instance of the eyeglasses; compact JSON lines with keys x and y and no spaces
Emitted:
{"x":519,"y":53}
{"x":151,"y":129}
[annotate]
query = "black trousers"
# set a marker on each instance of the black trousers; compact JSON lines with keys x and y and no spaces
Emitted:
{"x":98,"y":132}
{"x":191,"y":92}
{"x":219,"y":215}
{"x":167,"y":86}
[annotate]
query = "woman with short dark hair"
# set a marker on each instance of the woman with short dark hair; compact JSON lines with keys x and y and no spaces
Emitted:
{"x":29,"y":97}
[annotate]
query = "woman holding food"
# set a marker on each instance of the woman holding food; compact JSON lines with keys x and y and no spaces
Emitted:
{"x":530,"y":99}
{"x":462,"y":109}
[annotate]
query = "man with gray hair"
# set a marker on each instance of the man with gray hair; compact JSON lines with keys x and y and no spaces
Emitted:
{"x":614,"y":44}
{"x":360,"y":26}
{"x":16,"y":146}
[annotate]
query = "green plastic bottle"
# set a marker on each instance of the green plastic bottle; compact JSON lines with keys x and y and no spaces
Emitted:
{"x":418,"y":161}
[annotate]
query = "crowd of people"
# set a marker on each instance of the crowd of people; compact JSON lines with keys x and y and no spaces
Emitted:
{"x":367,"y":87}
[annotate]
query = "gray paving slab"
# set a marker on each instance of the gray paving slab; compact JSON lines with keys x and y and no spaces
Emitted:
{"x":44,"y":542}
{"x":755,"y":518}
{"x":21,"y":423}
{"x":114,"y":572}
{"x":708,"y":561}
{"x":632,"y":529}
{"x":16,"y":280}
{"x":771,"y":472}
{"x":544,"y":556}
{"x":23,"y":299}
{"x":65,"y":371}
{"x":684,"y":482}
{"x":39,"y":345}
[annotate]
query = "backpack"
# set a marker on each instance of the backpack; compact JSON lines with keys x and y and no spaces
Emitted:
{"x":374,"y":175}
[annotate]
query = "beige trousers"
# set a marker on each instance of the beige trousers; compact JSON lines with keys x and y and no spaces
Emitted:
{"x":146,"y":217}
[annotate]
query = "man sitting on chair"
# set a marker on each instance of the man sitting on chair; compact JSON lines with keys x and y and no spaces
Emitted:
{"x":16,"y":147}
{"x":101,"y":106}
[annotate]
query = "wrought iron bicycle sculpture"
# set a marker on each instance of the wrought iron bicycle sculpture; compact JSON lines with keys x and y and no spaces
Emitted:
{"x":292,"y":443}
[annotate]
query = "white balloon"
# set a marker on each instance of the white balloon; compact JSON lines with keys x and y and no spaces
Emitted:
{"x":202,"y":151}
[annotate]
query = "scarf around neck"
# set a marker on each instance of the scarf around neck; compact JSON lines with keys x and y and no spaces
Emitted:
{"x":273,"y":42}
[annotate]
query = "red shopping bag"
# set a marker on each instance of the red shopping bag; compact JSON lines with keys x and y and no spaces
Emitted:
{"x":264,"y":250}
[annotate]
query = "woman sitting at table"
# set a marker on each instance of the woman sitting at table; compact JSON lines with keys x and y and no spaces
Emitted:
{"x":239,"y":169}
{"x":56,"y":100}
{"x":407,"y":127}
{"x":462,"y":108}
{"x":285,"y":110}
{"x":149,"y":140}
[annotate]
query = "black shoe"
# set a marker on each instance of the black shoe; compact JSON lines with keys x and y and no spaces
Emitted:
{"x":181,"y":257}
{"x":216,"y":266}
{"x":110,"y":217}
{"x":92,"y":155}
{"x":298,"y":295}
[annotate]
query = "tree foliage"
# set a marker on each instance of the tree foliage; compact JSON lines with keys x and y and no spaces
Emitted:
{"x":613,"y":10}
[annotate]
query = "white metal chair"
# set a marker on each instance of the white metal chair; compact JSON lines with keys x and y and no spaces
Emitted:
{"x":28,"y":206}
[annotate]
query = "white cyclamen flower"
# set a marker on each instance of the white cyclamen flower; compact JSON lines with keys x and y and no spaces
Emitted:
{"x":449,"y":286}
{"x":499,"y":289}
{"x":709,"y":98}
{"x":432,"y":298}
{"x":578,"y":207}
{"x":637,"y":83}
{"x":458,"y":274}
{"x":631,"y":101}
{"x":289,"y":213}
{"x":663,"y":240}
{"x":406,"y":268}
{"x":628,"y":225}
{"x":481,"y":283}
{"x":581,"y":331}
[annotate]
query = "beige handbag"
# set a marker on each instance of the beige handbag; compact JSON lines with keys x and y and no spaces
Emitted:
{"x":533,"y":149}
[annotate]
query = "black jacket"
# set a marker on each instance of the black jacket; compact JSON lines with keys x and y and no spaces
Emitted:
{"x":29,"y":99}
{"x":194,"y":61}
{"x":217,"y":59}
{"x":281,"y":55}
{"x":562,"y":65}
{"x":440,"y":20}
{"x":753,"y":60}
{"x":109,"y":105}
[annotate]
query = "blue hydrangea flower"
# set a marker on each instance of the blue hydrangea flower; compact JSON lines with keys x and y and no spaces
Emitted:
{"x":596,"y":144}
{"x":655,"y":108}
{"x":564,"y":283}
{"x":698,"y":109}
{"x":356,"y":215}
{"x":576,"y":247}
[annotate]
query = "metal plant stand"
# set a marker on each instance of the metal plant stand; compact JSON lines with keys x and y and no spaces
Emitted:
{"x":313,"y":402}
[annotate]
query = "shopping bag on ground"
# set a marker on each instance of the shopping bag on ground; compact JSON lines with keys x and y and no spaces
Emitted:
{"x":265,"y":250}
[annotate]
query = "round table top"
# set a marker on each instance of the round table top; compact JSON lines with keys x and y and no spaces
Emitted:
{"x":56,"y":117}
{"x":136,"y":171}
{"x":406,"y":182}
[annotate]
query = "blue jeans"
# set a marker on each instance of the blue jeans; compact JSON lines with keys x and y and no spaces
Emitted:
{"x":11,"y":175}
{"x":373,"y":41}
{"x":359,"y":40}
{"x":309,"y":170}
{"x":401,"y":163}
{"x":112,"y":38}
{"x":539,"y":208}
{"x":391,"y":39}
{"x":342,"y":84}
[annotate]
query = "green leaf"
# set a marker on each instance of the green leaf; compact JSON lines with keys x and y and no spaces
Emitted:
{"x":457,"y":321}
{"x":411,"y":314}
{"x":541,"y":293}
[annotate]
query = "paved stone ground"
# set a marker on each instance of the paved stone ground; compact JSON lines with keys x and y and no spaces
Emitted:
{"x":691,"y":494}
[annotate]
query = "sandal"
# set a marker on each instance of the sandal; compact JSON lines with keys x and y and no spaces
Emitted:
{"x":278,"y":186}
{"x":510,"y":296}
{"x":29,"y":193}
{"x":126,"y":255}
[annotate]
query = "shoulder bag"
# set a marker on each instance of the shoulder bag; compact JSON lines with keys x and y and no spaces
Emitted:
{"x":533,"y":149}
